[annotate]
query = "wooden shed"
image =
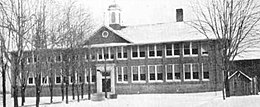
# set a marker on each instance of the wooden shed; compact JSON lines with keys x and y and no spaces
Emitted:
{"x":240,"y":84}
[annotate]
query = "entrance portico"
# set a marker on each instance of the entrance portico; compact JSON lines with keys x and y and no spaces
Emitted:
{"x":109,"y":82}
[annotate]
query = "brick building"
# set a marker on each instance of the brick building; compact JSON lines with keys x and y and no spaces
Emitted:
{"x":156,"y":58}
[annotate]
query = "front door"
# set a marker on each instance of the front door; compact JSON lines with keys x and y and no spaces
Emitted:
{"x":106,"y":85}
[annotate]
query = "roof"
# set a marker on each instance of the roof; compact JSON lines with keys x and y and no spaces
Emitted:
{"x":159,"y":33}
{"x":249,"y":54}
{"x":240,"y":73}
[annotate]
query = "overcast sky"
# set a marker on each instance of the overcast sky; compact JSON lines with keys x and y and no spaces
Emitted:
{"x":136,"y":12}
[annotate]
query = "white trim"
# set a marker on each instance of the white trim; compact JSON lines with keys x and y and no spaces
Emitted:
{"x":139,"y":75}
{"x":241,"y":73}
{"x":155,"y":51}
{"x":190,"y":49}
{"x":191,"y":72}
{"x":155,"y":72}
{"x":122,"y":74}
{"x":56,"y":79}
{"x":90,"y":78}
{"x":138,"y":53}
{"x":33,"y":80}
{"x":202,"y":72}
{"x":173,"y":74}
{"x":173,"y":55}
{"x":206,"y":50}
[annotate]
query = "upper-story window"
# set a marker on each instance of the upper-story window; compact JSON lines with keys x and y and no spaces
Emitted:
{"x":204,"y":49}
{"x":113,"y":17}
{"x":112,"y":52}
{"x":121,"y":53}
{"x":35,"y":58}
{"x":142,"y":51}
{"x":159,"y":49}
{"x":135,"y":51}
{"x":29,"y":60}
{"x":172,"y":50}
{"x":190,"y":48}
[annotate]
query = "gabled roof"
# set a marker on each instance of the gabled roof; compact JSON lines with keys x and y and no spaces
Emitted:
{"x":240,"y":73}
{"x":159,"y":33}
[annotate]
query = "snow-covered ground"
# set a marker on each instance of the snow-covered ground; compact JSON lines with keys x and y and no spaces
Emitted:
{"x":208,"y":99}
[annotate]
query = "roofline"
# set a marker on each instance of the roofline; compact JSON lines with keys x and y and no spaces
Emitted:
{"x":241,"y":73}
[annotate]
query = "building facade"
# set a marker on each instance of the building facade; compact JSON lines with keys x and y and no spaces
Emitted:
{"x":157,"y":58}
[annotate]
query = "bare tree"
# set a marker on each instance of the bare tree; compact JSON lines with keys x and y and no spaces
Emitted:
{"x":235,"y":26}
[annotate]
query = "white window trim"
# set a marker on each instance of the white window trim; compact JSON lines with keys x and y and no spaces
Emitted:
{"x":173,"y":55}
{"x":90,"y":78}
{"x":202,"y":72}
{"x":173,"y":74}
{"x":156,"y":79}
{"x":33,"y":80}
{"x":60,"y":58}
{"x":191,"y":72}
{"x":56,"y":78}
{"x":122,"y":53}
{"x":139,"y":75}
{"x":122,"y":76}
{"x":138,"y":53}
{"x":155,"y":52}
{"x":190,"y":49}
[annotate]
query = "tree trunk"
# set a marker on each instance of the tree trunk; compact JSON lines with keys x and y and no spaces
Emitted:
{"x":82,"y":90}
{"x":67,"y":86}
{"x":37,"y":97}
{"x":62,"y":91}
{"x":4,"y":87}
{"x":15,"y":96}
{"x":73,"y":93}
{"x":227,"y":86}
{"x":77,"y":87}
{"x":23,"y":95}
{"x":89,"y":87}
{"x":51,"y":92}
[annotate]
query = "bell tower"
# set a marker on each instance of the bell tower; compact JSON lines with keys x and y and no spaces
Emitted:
{"x":114,"y":13}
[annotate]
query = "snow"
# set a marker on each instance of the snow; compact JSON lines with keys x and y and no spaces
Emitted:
{"x":207,"y":99}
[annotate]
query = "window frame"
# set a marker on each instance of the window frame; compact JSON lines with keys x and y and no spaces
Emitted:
{"x":138,"y":53}
{"x":172,"y":50}
{"x":191,"y":72}
{"x":155,"y":51}
{"x":173,"y":73}
{"x":202,"y":72}
{"x":122,"y":74}
{"x":90,"y":78}
{"x":156,"y":74}
{"x":190,"y":50}
{"x":122,"y":53}
{"x":139,"y":75}
{"x":204,"y":50}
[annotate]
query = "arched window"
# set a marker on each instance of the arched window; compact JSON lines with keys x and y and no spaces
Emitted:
{"x":113,"y":17}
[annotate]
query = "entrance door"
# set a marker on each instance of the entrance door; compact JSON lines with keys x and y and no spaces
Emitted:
{"x":106,"y":85}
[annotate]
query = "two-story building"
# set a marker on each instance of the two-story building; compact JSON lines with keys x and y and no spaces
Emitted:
{"x":154,"y":58}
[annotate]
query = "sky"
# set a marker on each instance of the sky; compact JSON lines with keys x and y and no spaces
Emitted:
{"x":138,"y":12}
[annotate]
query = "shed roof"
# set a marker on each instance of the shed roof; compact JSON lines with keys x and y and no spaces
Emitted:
{"x":240,"y":73}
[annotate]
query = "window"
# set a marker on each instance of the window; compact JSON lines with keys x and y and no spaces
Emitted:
{"x":86,"y":57}
{"x":58,"y":58}
{"x":113,"y":17}
{"x":100,"y":54}
{"x":204,"y":49}
{"x":80,"y":79}
{"x":135,"y":73}
{"x":205,"y":71}
{"x":30,"y":80}
{"x":91,"y":76}
{"x":190,"y":48}
{"x":168,"y":49}
{"x":169,"y":74}
{"x":179,"y":15}
{"x":194,"y":49}
{"x":177,"y":72}
{"x":58,"y":79}
{"x":142,"y":51}
{"x":151,"y":49}
{"x":176,"y":49}
{"x":112,"y":52}
{"x":124,"y":52}
{"x":155,"y":72}
{"x":186,"y":48}
{"x":119,"y":52}
{"x":139,"y":73}
{"x":159,"y":50}
{"x":44,"y":80}
{"x":49,"y":59}
{"x":134,"y":51}
{"x":122,"y":75}
{"x":191,"y":71}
